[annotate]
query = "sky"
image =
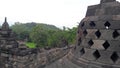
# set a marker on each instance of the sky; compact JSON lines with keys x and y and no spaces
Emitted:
{"x":60,"y":13}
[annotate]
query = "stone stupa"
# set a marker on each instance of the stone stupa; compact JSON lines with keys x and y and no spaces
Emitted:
{"x":98,"y":37}
{"x":7,"y":37}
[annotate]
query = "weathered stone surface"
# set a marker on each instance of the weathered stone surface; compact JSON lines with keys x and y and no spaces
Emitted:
{"x":98,"y":44}
{"x":63,"y":63}
{"x":100,"y":37}
{"x":13,"y":55}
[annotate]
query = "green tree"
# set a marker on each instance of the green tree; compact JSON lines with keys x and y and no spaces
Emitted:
{"x":55,"y":39}
{"x":23,"y":30}
{"x":20,"y":30}
{"x":70,"y":34}
{"x":39,"y":36}
{"x":44,"y":35}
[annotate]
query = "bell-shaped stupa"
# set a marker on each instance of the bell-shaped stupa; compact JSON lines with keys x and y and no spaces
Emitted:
{"x":98,"y":37}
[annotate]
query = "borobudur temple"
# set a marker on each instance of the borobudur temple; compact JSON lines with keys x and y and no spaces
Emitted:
{"x":98,"y":37}
{"x":98,"y":44}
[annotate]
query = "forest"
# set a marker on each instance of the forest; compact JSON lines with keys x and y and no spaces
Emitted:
{"x":44,"y":35}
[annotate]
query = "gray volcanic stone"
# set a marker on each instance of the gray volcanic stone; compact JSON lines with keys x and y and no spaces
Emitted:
{"x":99,"y":37}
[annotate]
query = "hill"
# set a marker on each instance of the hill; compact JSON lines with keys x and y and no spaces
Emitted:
{"x":23,"y":30}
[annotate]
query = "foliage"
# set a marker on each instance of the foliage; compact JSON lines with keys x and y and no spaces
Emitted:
{"x":31,"y":45}
{"x":44,"y":35}
{"x":71,"y":35}
{"x":55,"y":38}
{"x":23,"y":30}
{"x":40,"y":34}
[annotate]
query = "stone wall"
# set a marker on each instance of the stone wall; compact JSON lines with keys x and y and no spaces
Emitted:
{"x":35,"y":60}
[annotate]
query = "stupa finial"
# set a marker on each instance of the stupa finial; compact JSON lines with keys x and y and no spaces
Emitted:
{"x":5,"y":25}
{"x":5,"y":19}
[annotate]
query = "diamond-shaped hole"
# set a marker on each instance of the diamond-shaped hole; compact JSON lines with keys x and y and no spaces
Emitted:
{"x":115,"y":34}
{"x":90,"y":42}
{"x":79,"y":41}
{"x":97,"y":33}
{"x":82,"y":51}
{"x":107,"y":25}
{"x":85,"y":32}
{"x":82,"y":24}
{"x":96,"y":54}
{"x":106,"y":45}
{"x":92,"y":24}
{"x":114,"y":57}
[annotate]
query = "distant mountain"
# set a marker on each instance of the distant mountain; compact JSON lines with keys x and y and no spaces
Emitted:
{"x":48,"y":26}
{"x":29,"y":26}
{"x":23,"y":29}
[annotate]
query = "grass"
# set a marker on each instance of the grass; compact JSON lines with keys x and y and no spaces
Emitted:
{"x":31,"y":45}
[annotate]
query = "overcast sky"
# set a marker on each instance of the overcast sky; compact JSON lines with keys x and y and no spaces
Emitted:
{"x":57,"y":12}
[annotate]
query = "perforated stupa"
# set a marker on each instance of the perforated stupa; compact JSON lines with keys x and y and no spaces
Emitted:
{"x":98,"y":41}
